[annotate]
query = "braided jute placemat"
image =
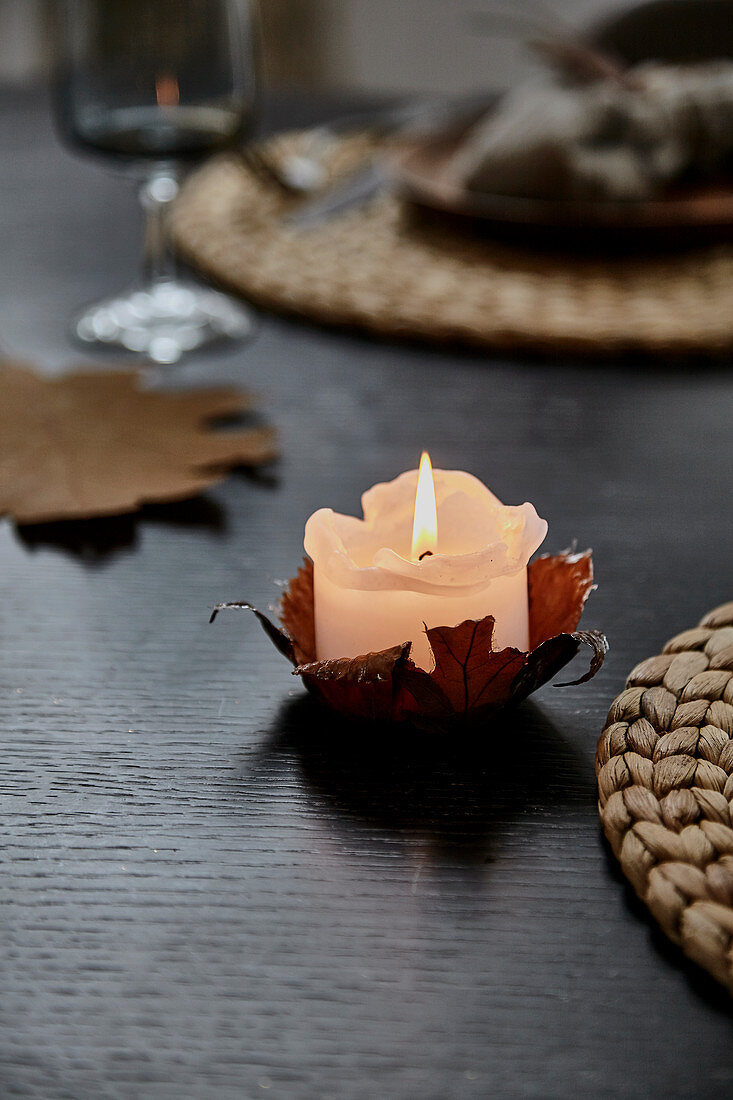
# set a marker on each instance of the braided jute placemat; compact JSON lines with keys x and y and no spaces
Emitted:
{"x":665,"y":785}
{"x":381,"y":268}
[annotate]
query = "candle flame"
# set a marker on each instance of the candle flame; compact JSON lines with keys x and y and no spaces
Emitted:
{"x":166,"y":90}
{"x":425,"y":525}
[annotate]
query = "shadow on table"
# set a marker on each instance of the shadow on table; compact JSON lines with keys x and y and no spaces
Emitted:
{"x":702,"y":983}
{"x":96,"y":540}
{"x":454,"y":790}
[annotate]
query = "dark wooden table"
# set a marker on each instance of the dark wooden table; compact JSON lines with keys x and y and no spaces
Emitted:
{"x":207,"y":894}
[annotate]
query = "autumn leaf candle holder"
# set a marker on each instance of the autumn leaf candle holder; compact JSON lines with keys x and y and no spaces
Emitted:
{"x":440,"y":674}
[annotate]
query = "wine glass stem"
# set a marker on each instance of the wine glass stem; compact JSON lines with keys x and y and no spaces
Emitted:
{"x":156,"y":196}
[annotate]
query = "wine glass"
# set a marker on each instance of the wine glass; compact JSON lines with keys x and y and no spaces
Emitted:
{"x":153,"y":87}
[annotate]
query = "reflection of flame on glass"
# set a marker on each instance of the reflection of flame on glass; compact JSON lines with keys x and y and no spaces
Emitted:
{"x":166,"y":90}
{"x":425,"y":525}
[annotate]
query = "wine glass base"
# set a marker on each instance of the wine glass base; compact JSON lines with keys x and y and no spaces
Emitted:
{"x":163,"y":321}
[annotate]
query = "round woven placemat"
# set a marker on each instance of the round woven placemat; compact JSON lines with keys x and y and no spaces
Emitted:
{"x":665,"y":785}
{"x":381,"y":268}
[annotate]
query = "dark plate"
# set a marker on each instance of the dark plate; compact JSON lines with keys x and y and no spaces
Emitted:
{"x":420,"y":170}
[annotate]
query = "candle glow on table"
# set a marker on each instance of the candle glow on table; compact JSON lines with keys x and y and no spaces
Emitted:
{"x":433,"y":549}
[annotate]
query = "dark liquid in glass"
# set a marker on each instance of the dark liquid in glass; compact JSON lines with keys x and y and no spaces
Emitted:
{"x":185,"y":134}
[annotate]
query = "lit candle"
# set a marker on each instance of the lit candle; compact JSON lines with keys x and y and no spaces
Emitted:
{"x":430,"y":551}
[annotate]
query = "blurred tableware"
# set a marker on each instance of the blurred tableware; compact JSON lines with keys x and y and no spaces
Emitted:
{"x":693,"y":205}
{"x":634,"y":136}
{"x":419,"y":170}
{"x":359,"y":186}
{"x":372,"y":176}
{"x":153,"y":87}
{"x":306,"y":171}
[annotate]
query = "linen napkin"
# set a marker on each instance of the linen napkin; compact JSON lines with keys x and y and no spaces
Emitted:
{"x":618,"y":135}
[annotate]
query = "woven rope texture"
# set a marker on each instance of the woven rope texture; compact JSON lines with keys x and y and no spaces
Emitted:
{"x":379,"y":268}
{"x":665,"y":785}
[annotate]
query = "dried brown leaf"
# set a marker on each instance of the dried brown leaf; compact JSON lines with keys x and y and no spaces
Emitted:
{"x":547,"y":659}
{"x":558,"y":585}
{"x":468,"y":673}
{"x":93,"y":443}
{"x":296,"y":613}
{"x":470,"y":679}
{"x":598,"y":643}
{"x":369,"y":668}
{"x":362,"y":687}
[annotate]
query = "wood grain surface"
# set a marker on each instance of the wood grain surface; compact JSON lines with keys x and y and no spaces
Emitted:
{"x":207,"y":890}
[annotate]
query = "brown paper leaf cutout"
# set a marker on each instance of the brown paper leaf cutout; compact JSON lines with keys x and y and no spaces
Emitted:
{"x":470,"y":680}
{"x":95,"y":444}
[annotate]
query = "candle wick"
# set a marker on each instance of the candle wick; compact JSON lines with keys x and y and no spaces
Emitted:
{"x":425,"y":554}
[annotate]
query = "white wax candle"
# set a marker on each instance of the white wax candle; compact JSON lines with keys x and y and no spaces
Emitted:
{"x":373,"y":590}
